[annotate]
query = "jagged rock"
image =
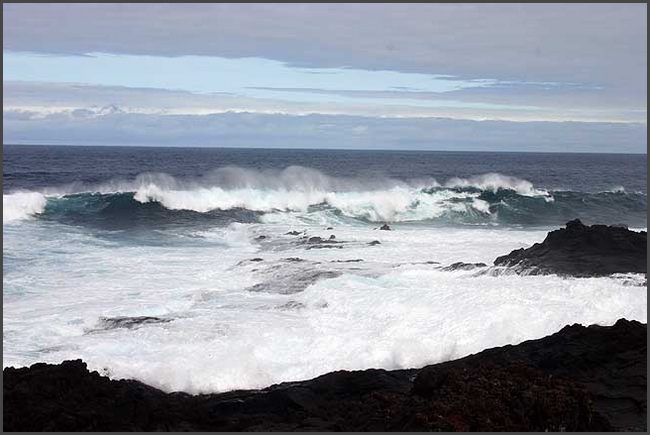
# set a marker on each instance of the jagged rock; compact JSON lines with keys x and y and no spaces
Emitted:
{"x":463,"y":266}
{"x":580,"y":250}
{"x":291,"y":305}
{"x":385,"y":227}
{"x":250,"y":260}
{"x":299,"y":281}
{"x":128,"y":322}
{"x":579,"y":379}
{"x":609,"y":362}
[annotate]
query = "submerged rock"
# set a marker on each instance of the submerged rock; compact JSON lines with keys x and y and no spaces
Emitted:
{"x":291,"y":305}
{"x":293,"y":233}
{"x":580,"y":250}
{"x":579,"y":379}
{"x":294,"y":281}
{"x":317,"y":242}
{"x":375,"y":242}
{"x":250,"y":260}
{"x":128,"y":322}
{"x":294,"y":259}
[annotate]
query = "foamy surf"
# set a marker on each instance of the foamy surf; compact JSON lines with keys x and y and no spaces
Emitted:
{"x":226,"y":321}
{"x":483,"y":199}
{"x":22,"y":205}
{"x":216,"y":272}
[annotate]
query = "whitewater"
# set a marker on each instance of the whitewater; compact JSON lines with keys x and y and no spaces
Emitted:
{"x":208,"y":281}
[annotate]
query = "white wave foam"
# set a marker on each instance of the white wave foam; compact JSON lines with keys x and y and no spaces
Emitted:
{"x":296,"y":189}
{"x":495,"y":182}
{"x":21,"y":205}
{"x":396,"y":312}
{"x":393,"y":205}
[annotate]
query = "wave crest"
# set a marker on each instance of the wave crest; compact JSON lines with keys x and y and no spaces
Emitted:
{"x":486,"y":198}
{"x":21,"y":205}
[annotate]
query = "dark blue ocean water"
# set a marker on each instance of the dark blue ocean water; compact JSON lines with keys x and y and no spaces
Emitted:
{"x":32,"y":167}
{"x":603,"y":188}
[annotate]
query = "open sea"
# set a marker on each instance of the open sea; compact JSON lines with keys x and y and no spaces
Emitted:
{"x":192,"y":268}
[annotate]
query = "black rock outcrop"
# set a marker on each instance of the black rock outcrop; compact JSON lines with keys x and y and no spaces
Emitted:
{"x":581,"y":378}
{"x":463,"y":266}
{"x":581,"y":250}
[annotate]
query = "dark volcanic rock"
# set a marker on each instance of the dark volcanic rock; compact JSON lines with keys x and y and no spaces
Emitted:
{"x":375,"y":242}
{"x":463,"y":266}
{"x":129,"y":322}
{"x":317,"y":242}
{"x":291,"y":305}
{"x":385,"y":227}
{"x":609,"y":362}
{"x":250,"y":260}
{"x":577,"y":379}
{"x":294,"y":259}
{"x":580,"y":250}
{"x":293,"y":233}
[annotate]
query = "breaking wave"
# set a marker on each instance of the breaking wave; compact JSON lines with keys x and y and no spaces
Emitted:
{"x":241,"y":195}
{"x":20,"y":205}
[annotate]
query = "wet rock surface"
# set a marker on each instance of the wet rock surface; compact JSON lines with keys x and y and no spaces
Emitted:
{"x":128,"y":322}
{"x":581,"y":378}
{"x":580,"y":250}
{"x":463,"y":266}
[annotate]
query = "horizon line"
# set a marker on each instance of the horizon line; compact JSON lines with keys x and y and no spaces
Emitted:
{"x":317,"y":149}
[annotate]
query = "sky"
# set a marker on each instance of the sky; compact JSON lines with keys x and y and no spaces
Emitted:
{"x":475,"y":77}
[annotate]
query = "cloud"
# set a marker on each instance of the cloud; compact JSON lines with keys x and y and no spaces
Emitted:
{"x":320,"y":131}
{"x":602,"y":44}
{"x":543,"y":62}
{"x":546,"y":100}
{"x":58,"y":97}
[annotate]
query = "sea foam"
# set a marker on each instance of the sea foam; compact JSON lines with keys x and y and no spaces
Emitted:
{"x":21,"y":205}
{"x":394,"y":309}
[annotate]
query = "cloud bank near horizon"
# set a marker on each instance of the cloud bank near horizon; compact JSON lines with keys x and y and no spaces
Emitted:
{"x":549,"y":76}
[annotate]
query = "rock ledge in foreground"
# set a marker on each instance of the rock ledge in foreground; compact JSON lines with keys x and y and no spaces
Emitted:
{"x":581,"y":378}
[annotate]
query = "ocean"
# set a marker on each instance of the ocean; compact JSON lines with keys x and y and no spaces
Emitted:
{"x":192,"y":269}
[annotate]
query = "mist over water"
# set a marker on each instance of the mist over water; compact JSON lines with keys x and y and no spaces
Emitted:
{"x":211,"y":246}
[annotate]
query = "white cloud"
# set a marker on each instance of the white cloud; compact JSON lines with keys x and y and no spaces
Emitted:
{"x":65,"y":97}
{"x":321,"y":131}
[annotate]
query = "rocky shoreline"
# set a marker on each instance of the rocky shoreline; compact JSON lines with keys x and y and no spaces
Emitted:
{"x":578,"y":379}
{"x":582,"y":251}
